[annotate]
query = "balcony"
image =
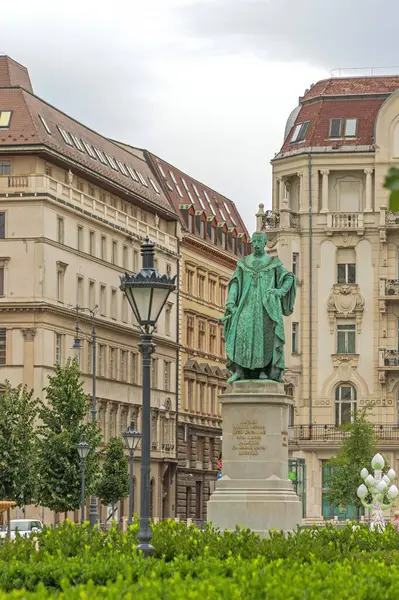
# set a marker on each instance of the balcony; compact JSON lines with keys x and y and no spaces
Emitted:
{"x":390,"y":359}
{"x":272,"y":220}
{"x":392,"y":287}
{"x":12,"y":185}
{"x":391,"y":219}
{"x":345,"y":222}
{"x":384,"y":433}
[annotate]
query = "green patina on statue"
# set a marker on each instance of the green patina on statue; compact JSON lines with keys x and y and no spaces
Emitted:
{"x":260,"y":292}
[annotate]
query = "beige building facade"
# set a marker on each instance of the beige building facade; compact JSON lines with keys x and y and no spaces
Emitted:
{"x":74,"y":209}
{"x":330,"y":224}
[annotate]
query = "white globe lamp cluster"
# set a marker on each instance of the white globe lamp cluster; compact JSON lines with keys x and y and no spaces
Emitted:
{"x":381,"y":489}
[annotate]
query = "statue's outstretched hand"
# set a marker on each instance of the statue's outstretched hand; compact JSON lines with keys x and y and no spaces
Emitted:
{"x":231,"y":308}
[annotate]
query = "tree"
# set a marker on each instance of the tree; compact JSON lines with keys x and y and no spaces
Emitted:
{"x":114,"y":484}
{"x":64,"y":423}
{"x":18,"y":442}
{"x":356,"y":452}
{"x":392,"y":183}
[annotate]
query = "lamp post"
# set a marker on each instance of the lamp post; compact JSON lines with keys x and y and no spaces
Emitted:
{"x":83,"y":449}
{"x":379,"y":486}
{"x":147,"y":292}
{"x":93,"y":510}
{"x":132,"y":440}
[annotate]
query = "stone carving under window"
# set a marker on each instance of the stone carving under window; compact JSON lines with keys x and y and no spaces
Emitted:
{"x":345,"y":301}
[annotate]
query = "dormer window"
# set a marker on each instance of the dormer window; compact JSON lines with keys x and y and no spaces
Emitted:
{"x":343,"y":128}
{"x":5,"y":118}
{"x":300,"y":131}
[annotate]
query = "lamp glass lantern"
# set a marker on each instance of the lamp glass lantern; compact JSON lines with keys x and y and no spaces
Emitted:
{"x":132,"y":437}
{"x":83,"y":448}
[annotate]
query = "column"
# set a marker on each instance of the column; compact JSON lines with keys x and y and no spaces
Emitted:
{"x":368,"y":207}
{"x":301,"y":206}
{"x":281,"y":190}
{"x":29,"y":356}
{"x":324,"y":191}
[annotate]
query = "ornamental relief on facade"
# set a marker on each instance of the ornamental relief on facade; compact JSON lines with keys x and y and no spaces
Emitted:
{"x":345,"y":301}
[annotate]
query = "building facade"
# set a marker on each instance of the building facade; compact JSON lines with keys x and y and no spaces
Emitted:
{"x":212,"y":237}
{"x":74,"y":209}
{"x":330,"y":223}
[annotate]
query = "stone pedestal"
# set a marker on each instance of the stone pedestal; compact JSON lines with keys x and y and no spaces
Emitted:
{"x":255,"y":491}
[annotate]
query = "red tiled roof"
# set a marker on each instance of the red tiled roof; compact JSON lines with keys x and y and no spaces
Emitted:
{"x":27,"y":128}
{"x":356,"y":97}
{"x":12,"y":73}
{"x":224,"y":209}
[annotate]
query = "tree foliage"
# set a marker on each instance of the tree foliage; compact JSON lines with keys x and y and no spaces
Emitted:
{"x":64,"y":423}
{"x":392,"y":183}
{"x":18,"y":444}
{"x":356,"y":452}
{"x":114,"y":483}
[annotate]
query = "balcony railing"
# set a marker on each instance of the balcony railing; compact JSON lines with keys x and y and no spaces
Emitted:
{"x":391,"y":358}
{"x":392,"y":287}
{"x":391,"y":219}
{"x":332,"y":433}
{"x":41,"y":184}
{"x":271,"y":220}
{"x":339,"y":221}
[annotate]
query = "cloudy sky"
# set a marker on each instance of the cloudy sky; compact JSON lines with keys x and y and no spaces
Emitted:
{"x":206,"y":84}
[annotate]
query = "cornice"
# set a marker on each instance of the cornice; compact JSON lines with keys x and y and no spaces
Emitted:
{"x":210,"y":250}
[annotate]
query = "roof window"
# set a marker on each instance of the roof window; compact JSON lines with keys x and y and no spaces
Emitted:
{"x":5,"y":118}
{"x":173,"y":177}
{"x":200,"y":201}
{"x":89,"y":149}
{"x":77,"y":143}
{"x":343,"y":128}
{"x":46,"y":127}
{"x":229,"y":212}
{"x":300,"y":131}
{"x":222,"y":213}
{"x":140,"y":176}
{"x":161,"y":171}
{"x":184,"y":182}
{"x":100,"y":154}
{"x":111,"y":161}
{"x":132,"y":173}
{"x":65,"y":136}
{"x":154,"y":185}
{"x":122,"y":168}
{"x":196,"y":190}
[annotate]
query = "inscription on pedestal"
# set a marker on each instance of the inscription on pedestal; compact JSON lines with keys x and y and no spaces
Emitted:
{"x":249,"y":437}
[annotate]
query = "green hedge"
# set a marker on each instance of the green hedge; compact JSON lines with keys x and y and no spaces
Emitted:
{"x":76,"y":562}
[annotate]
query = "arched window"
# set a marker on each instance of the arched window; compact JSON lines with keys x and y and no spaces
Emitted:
{"x":345,"y":403}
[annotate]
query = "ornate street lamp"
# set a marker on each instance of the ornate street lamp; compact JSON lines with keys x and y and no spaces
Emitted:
{"x":132,"y":439}
{"x":147,"y":292}
{"x":83,"y":449}
{"x":380,"y":488}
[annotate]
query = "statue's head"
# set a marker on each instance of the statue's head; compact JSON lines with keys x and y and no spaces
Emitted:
{"x":259,"y":241}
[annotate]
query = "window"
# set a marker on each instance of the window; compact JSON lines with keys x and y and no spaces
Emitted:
{"x":346,"y":273}
{"x":124,"y":308}
{"x":46,"y":127}
{"x":212,"y":291}
{"x":92,"y":243}
{"x":223,"y":290}
{"x":91,"y":191}
{"x":161,"y":171}
{"x":190,"y":281}
{"x":77,"y":143}
{"x":201,"y":335}
{"x":212,"y":338}
{"x":100,"y":155}
{"x":140,"y":176}
{"x":166,"y":376}
{"x":60,"y":230}
{"x":3,"y":346}
{"x":89,"y":149}
{"x":202,"y":229}
{"x":300,"y":131}
{"x":213,"y":399}
{"x":154,"y":185}
{"x":65,"y":135}
{"x":346,"y":339}
{"x":5,"y":167}
{"x":122,"y":168}
{"x":112,"y":363}
{"x":133,"y":367}
{"x":190,"y":331}
{"x":136,"y":261}
{"x":103,"y":247}
{"x":124,"y":356}
{"x":101,"y":359}
{"x":48,"y":171}
{"x":289,"y":390}
{"x":295,"y":264}
{"x":60,"y":283}
{"x":79,"y":292}
{"x":222,"y":342}
{"x":114,"y":257}
{"x":2,"y":225}
{"x":190,"y":401}
{"x":89,"y":357}
{"x":154,"y":373}
{"x":202,"y":390}
{"x":201,"y":286}
{"x":125,"y":257}
{"x":345,"y":404}
{"x":343,"y":128}
{"x":295,"y":340}
{"x":168,"y":269}
{"x":80,"y":238}
{"x":5,"y":118}
{"x":111,"y":161}
{"x":132,"y":173}
{"x":198,"y":500}
{"x":58,"y":348}
{"x":103,"y":299}
{"x":80,"y":185}
{"x":113,"y":305}
{"x":2,"y":294}
{"x":168,"y":312}
{"x":92,"y":294}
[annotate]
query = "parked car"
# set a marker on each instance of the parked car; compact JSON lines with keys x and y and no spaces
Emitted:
{"x":25,"y":528}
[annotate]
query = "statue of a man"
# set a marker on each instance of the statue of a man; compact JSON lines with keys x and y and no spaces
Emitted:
{"x":260,"y":292}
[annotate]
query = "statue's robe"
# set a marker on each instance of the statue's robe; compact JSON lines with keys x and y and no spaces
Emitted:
{"x":254,"y":335}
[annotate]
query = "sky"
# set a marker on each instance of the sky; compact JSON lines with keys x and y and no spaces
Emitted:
{"x":206,"y":84}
